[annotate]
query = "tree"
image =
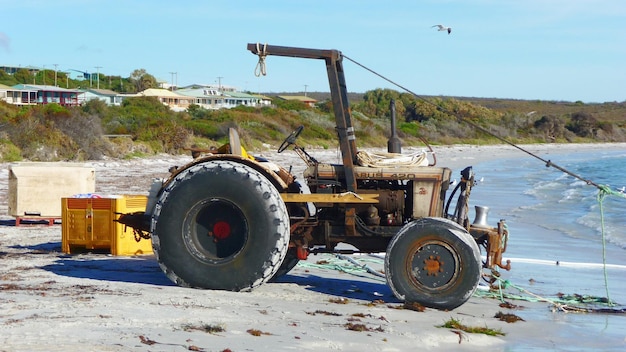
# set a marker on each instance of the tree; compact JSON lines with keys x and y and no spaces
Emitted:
{"x":95,"y":107}
{"x":583,"y":124}
{"x":551,"y":126}
{"x":376,"y":102}
{"x":7,"y":79}
{"x":142,"y":80}
{"x":121,"y":85}
{"x":23,"y":76}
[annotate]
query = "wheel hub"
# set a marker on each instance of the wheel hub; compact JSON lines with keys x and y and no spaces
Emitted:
{"x":434,"y":266}
{"x":217,"y":230}
{"x":221,"y":230}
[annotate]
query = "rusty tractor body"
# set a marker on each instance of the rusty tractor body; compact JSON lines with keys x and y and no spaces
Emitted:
{"x":230,"y":221}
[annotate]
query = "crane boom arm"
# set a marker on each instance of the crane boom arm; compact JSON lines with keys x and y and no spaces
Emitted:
{"x":339,"y":97}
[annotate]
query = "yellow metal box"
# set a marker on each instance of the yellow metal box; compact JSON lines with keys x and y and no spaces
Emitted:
{"x":89,"y":223}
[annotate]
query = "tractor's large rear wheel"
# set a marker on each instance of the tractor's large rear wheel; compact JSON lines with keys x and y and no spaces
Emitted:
{"x":220,"y":225}
{"x":434,"y":262}
{"x":290,"y":262}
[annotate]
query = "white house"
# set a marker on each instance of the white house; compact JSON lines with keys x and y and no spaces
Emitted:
{"x":233,"y":99}
{"x":211,"y":98}
{"x":17,"y":96}
{"x":208,"y":98}
{"x":109,"y":97}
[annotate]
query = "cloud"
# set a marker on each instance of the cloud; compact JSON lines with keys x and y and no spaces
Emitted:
{"x":4,"y":41}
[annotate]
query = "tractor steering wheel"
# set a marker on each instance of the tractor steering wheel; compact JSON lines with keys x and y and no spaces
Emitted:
{"x":291,"y":139}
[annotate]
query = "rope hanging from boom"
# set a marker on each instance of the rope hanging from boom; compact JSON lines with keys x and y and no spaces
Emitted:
{"x":260,"y":69}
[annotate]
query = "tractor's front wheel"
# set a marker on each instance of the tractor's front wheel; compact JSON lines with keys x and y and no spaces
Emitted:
{"x":434,"y":262}
{"x":220,"y":225}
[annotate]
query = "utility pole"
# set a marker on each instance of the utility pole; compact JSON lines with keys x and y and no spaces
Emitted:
{"x":305,"y":89}
{"x":55,"y":74}
{"x":174,"y":73}
{"x":98,"y":78}
{"x":219,"y":83}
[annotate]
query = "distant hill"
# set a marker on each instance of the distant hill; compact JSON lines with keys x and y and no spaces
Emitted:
{"x":610,"y":111}
{"x":145,"y":126}
{"x":614,"y":112}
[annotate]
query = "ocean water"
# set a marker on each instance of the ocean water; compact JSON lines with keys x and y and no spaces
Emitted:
{"x":573,"y":199}
{"x":557,"y":242}
{"x":556,"y":201}
{"x":554,"y":217}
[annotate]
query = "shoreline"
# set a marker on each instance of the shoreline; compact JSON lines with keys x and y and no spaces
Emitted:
{"x":504,"y":151}
{"x":51,"y":301}
{"x":459,"y":155}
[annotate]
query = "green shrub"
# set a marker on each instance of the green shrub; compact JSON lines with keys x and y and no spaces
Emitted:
{"x":55,"y":110}
{"x":204,"y":128}
{"x":294,"y":105}
{"x":409,"y":128}
{"x":9,"y":152}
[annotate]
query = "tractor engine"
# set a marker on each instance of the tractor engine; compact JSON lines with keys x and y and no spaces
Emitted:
{"x":389,"y":211}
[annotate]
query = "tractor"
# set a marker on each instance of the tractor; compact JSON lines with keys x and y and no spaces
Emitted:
{"x":228,"y":220}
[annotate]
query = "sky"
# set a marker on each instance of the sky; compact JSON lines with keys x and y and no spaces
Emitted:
{"x":564,"y":50}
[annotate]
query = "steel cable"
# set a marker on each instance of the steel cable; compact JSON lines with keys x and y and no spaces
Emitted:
{"x":603,"y":189}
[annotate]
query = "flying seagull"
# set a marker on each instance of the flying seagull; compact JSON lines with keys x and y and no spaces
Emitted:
{"x":443,"y":28}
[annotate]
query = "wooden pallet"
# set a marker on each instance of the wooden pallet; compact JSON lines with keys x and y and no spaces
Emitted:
{"x":35,"y":220}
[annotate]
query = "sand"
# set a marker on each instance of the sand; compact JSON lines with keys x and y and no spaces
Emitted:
{"x":52,"y":301}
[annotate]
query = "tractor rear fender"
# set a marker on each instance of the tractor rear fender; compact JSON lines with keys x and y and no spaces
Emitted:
{"x":268,"y":169}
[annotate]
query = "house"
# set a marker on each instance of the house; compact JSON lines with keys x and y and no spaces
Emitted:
{"x":164,"y":84}
{"x":233,"y":99}
{"x":18,"y":96}
{"x":13,"y":69}
{"x":208,"y":98}
{"x":263,"y":100}
{"x":175,"y":101}
{"x":46,"y":94}
{"x":303,"y":98}
{"x":217,"y":87}
{"x":109,"y":97}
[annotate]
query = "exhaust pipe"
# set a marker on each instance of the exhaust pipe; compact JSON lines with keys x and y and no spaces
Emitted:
{"x":393,"y":144}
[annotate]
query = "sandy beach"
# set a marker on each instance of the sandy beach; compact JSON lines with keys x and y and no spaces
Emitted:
{"x":52,"y":301}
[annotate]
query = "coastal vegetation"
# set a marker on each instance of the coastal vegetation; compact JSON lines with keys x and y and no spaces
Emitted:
{"x":143,"y":126}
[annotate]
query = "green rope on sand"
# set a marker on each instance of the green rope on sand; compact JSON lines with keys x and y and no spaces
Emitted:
{"x":565,"y":303}
{"x":344,"y":266}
